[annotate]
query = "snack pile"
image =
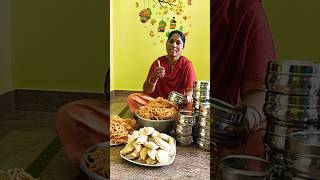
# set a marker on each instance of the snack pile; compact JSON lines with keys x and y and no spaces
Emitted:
{"x":149,"y":146}
{"x":120,"y":128}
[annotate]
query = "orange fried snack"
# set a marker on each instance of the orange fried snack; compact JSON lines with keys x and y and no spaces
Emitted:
{"x":120,"y":128}
{"x":159,"y":109}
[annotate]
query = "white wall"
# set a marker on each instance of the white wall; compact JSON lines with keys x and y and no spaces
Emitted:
{"x":5,"y":50}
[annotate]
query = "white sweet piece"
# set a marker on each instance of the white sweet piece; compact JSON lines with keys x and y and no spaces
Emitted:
{"x":162,"y":156}
{"x":142,"y":138}
{"x":133,"y":136}
{"x":152,"y":153}
{"x":172,"y":146}
{"x":136,"y":146}
{"x":149,"y":130}
{"x":151,"y":145}
{"x":127,"y":149}
{"x":144,"y":153}
{"x":155,"y":133}
{"x":164,"y":136}
{"x":162,"y":144}
{"x":151,"y":161}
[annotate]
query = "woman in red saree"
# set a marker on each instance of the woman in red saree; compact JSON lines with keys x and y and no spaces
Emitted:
{"x":241,"y":47}
{"x":83,"y":123}
{"x":172,"y":72}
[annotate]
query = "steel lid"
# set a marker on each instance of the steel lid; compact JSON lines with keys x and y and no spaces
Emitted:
{"x":305,"y":143}
{"x":294,"y":67}
{"x":246,"y":165}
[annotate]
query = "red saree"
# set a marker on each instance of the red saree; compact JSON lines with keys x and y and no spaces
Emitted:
{"x":241,"y":46}
{"x":180,"y":79}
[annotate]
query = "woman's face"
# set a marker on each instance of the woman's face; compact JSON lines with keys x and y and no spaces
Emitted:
{"x":174,"y":45}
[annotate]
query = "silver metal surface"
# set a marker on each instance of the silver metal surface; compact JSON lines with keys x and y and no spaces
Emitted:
{"x":218,"y":127}
{"x":183,"y":130}
{"x":204,"y":109}
{"x":203,"y":132}
{"x":225,"y":115}
{"x":293,"y":100}
{"x":294,"y":67}
{"x":204,"y":122}
{"x":304,"y":143}
{"x":275,"y":141}
{"x":201,"y":84}
{"x":178,"y":98}
{"x":307,"y":166}
{"x":292,"y":113}
{"x":294,"y":84}
{"x":185,"y":140}
{"x":276,"y":129}
{"x":186,"y":118}
{"x":241,"y":167}
{"x":203,"y":144}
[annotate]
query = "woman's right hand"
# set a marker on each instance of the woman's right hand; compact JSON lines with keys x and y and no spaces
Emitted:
{"x":159,"y":72}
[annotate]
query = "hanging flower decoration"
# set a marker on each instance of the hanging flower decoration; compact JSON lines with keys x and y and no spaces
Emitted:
{"x":162,"y":26}
{"x":164,"y":12}
{"x":145,"y":15}
{"x":173,"y":23}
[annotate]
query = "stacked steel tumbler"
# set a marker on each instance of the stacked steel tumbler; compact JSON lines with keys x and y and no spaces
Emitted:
{"x":292,"y":104}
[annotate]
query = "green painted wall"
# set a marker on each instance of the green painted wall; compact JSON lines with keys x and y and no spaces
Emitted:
{"x":295,"y":27}
{"x":133,"y":49}
{"x":5,"y":61}
{"x":60,"y":44}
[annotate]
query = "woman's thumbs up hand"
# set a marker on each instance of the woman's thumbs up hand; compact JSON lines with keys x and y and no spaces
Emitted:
{"x":159,"y":71}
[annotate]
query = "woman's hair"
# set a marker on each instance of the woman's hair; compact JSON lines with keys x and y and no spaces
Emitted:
{"x":183,"y":38}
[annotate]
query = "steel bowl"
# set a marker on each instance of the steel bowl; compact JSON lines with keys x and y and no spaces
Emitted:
{"x":177,"y":98}
{"x":184,"y":140}
{"x":201,"y":92}
{"x":183,"y":130}
{"x":294,"y":84}
{"x":304,"y":143}
{"x":292,"y":100}
{"x":273,"y":128}
{"x":186,"y":118}
{"x":204,"y":133}
{"x":160,"y":125}
{"x":92,"y":175}
{"x":204,"y":109}
{"x":242,"y":167}
{"x":221,"y":114}
{"x":204,"y":122}
{"x":307,"y":166}
{"x":294,"y":67}
{"x":201,"y":84}
{"x":303,"y":114}
{"x":201,"y":99}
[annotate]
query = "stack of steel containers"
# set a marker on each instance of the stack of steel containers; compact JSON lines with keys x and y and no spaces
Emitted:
{"x":302,"y":156}
{"x":292,"y":103}
{"x":184,"y":127}
{"x":201,"y":94}
{"x":204,"y":126}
